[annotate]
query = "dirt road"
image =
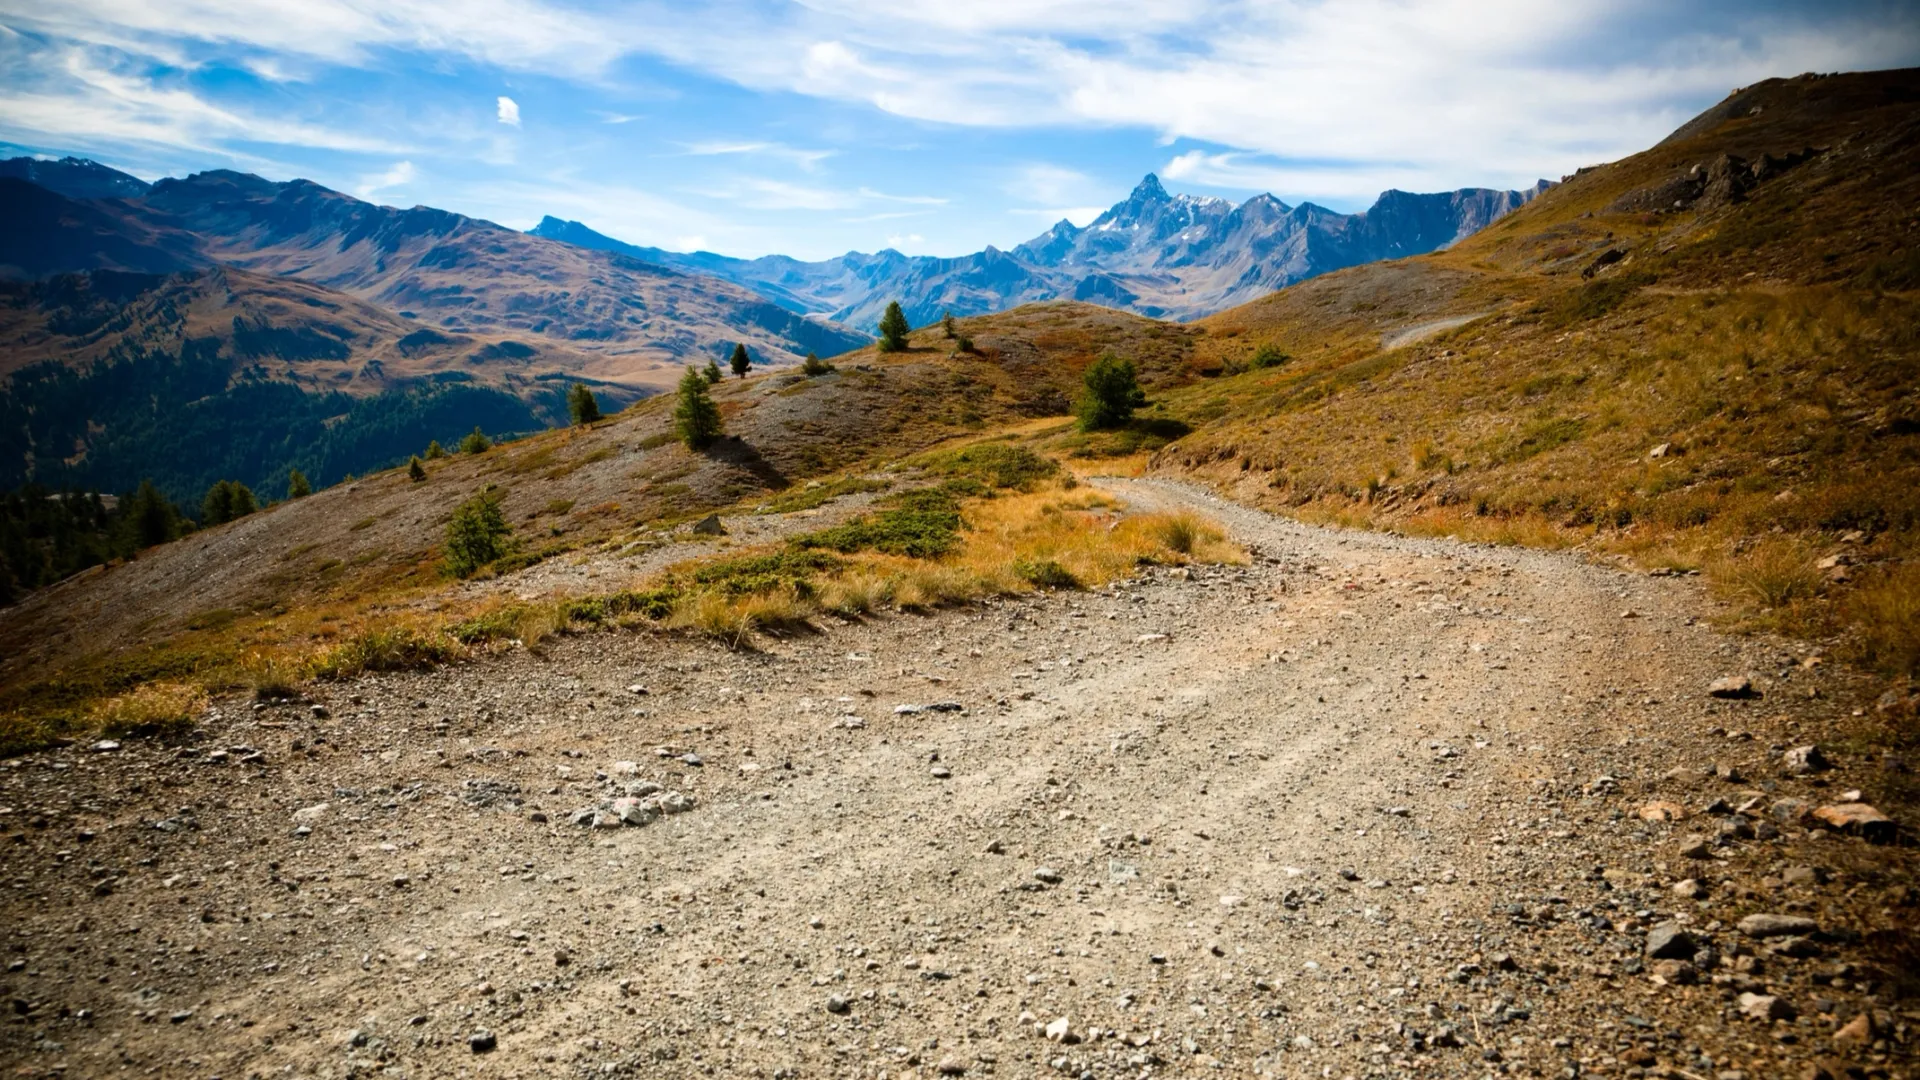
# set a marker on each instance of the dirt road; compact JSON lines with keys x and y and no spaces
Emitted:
{"x":1370,"y":806}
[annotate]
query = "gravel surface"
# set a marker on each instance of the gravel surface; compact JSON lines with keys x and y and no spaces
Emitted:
{"x":1371,"y":806}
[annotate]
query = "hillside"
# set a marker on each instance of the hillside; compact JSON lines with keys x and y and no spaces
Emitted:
{"x":1702,"y":356}
{"x":355,"y":334}
{"x":1154,"y":254}
{"x":305,"y":569}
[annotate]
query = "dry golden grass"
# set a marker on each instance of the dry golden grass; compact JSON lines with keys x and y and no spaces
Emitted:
{"x":1785,"y":415}
{"x":1054,"y":536}
{"x":161,"y":709}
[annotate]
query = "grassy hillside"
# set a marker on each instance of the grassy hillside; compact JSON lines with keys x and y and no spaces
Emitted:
{"x":240,"y":602}
{"x":1704,"y":356}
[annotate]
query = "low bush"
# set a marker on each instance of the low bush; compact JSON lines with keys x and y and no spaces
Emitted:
{"x":921,"y":524}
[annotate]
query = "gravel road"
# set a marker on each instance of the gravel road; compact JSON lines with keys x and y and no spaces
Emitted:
{"x":1371,"y":806}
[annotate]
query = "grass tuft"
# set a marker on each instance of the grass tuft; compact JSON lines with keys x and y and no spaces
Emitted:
{"x":156,"y":710}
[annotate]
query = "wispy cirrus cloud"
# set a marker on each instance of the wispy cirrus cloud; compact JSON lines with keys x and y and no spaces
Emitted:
{"x":80,"y":96}
{"x":400,"y":175}
{"x":803,"y":158}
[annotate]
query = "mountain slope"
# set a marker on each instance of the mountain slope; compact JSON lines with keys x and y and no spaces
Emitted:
{"x":189,"y":378}
{"x":76,"y":178}
{"x":1701,"y":356}
{"x":633,"y":322}
{"x":1155,"y":254}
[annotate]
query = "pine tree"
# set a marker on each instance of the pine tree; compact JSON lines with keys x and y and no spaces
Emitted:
{"x":416,"y":472}
{"x":946,"y":323}
{"x":216,"y":506}
{"x":581,"y":404}
{"x":1112,"y":391}
{"x":435,"y":450}
{"x":712,"y":372}
{"x":813,"y":365}
{"x":477,"y":535}
{"x":150,"y":518}
{"x":297,"y":486}
{"x":226,"y":500}
{"x":741,"y":362}
{"x":243,"y":502}
{"x":696,"y":419}
{"x":894,"y":328}
{"x":476,"y":442}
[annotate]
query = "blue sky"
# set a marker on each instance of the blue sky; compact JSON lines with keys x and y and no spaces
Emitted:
{"x":815,"y":128}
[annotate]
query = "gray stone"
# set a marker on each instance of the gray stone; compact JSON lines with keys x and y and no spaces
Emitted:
{"x":1731,"y":687}
{"x":482,"y":1042}
{"x":838,"y":1005}
{"x":1764,"y":1007}
{"x":1769,"y":925}
{"x":1670,"y":941}
{"x":1790,"y":811}
{"x":1805,"y":760}
{"x":1048,"y":875}
{"x":1695,"y":847}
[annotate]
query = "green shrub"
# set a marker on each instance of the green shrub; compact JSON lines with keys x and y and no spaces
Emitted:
{"x":1046,"y":574}
{"x":475,"y":443}
{"x":1111,"y":391}
{"x":813,"y":366}
{"x":920,"y":524}
{"x":793,"y":569}
{"x":1268,"y":356}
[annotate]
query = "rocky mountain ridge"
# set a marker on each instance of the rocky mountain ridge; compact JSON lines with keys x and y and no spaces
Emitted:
{"x":638,"y":322}
{"x":1154,"y":254}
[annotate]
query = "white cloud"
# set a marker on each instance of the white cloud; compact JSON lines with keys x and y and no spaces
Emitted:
{"x":805,"y":159}
{"x":905,"y":244}
{"x":1079,"y":215}
{"x":763,"y":193}
{"x":1254,"y":172}
{"x":508,"y":110}
{"x":1426,"y":95}
{"x":1044,"y":182}
{"x":77,"y":98}
{"x":399,"y":176}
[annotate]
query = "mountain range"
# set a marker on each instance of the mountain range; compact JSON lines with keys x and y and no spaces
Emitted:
{"x":222,"y":325}
{"x":1154,"y":254}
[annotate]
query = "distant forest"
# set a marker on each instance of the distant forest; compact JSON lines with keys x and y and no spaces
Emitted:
{"x":177,"y":422}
